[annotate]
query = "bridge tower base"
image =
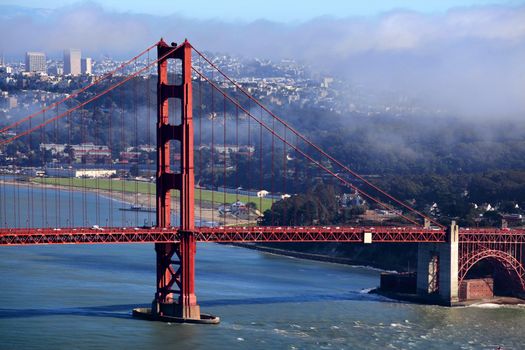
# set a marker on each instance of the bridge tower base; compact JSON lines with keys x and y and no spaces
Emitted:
{"x":175,"y":299}
{"x":437,"y":269}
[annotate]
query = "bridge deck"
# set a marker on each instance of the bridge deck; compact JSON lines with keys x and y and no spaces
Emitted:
{"x":219,"y":234}
{"x":252,"y":234}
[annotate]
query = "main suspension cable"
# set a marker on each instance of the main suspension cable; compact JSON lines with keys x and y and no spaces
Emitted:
{"x":317,"y":148}
{"x":73,"y":95}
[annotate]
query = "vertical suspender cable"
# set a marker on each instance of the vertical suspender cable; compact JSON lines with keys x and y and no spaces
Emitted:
{"x":43,"y":187}
{"x":296,"y":176}
{"x":30,"y":185}
{"x":200,"y":182}
{"x":123,"y":182}
{"x":284,"y":220}
{"x":148,"y":131}
{"x":17,"y":194}
{"x":237,"y":154}
{"x":112,"y":164}
{"x":224,"y":154}
{"x":94,"y":120}
{"x":57,"y":193}
{"x":260,"y":163}
{"x":3,"y":187}
{"x":249,"y":183}
{"x":212,"y":152}
{"x":135,"y":124}
{"x":273,"y":168}
{"x":82,"y":160}
{"x":71,"y":212}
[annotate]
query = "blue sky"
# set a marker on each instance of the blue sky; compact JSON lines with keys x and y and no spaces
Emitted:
{"x":276,"y":10}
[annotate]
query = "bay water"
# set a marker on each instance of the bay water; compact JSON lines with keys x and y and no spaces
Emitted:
{"x":81,"y":297}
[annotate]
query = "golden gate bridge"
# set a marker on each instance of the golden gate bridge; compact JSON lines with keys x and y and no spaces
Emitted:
{"x":191,"y":86}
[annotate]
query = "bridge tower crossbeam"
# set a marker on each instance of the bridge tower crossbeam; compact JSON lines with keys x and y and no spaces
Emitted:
{"x":175,"y":273}
{"x":176,"y":260}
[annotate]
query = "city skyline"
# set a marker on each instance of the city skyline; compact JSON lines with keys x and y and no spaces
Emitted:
{"x":72,"y":63}
{"x":465,"y":56}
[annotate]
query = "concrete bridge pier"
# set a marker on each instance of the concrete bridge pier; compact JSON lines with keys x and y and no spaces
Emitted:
{"x":437,"y":269}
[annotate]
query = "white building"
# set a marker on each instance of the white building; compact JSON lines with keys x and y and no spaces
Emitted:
{"x":83,"y":150}
{"x":80,"y":173}
{"x":141,"y":148}
{"x":85,"y":66}
{"x":72,"y":64}
{"x":227,"y":149}
{"x":262,"y":193}
{"x":36,"y":62}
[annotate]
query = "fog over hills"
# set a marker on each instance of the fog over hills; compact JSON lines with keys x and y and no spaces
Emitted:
{"x":467,"y":60}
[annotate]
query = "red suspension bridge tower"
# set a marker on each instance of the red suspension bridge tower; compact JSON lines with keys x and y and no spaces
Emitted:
{"x":175,"y":296}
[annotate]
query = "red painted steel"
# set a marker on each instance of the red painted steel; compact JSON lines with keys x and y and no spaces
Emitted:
{"x":500,"y":236}
{"x":187,"y":250}
{"x":507,"y":260}
{"x":504,"y":246}
{"x":171,"y":273}
{"x":380,"y":234}
{"x":164,"y":184}
{"x":86,"y":236}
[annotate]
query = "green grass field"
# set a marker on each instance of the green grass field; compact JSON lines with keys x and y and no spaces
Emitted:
{"x":149,"y":188}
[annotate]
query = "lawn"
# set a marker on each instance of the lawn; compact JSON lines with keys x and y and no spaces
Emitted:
{"x":149,"y":188}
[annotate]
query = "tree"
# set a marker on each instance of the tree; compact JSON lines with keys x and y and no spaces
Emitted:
{"x":316,"y":207}
{"x":70,"y":152}
{"x":134,"y":170}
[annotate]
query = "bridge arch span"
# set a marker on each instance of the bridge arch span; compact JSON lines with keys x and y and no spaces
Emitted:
{"x":510,"y":264}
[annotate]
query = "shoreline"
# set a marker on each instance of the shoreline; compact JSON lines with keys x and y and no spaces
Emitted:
{"x":405,"y":297}
{"x":312,"y":256}
{"x":204,"y":213}
{"x":497,"y":300}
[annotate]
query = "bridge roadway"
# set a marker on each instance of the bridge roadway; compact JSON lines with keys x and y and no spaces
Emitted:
{"x":376,"y":234}
{"x":221,"y":234}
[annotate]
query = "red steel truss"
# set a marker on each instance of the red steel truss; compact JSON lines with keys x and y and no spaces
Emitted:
{"x":492,"y":236}
{"x":85,"y":236}
{"x":319,"y":234}
{"x":503,"y":246}
{"x":507,"y":260}
{"x":483,"y":238}
{"x":378,"y":234}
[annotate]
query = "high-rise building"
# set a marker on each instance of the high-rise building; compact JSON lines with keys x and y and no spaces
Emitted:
{"x":85,"y":65}
{"x":36,"y":62}
{"x":72,"y":61}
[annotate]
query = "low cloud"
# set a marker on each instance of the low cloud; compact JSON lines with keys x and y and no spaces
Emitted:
{"x":468,"y":60}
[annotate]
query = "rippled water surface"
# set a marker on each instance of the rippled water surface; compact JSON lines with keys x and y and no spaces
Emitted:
{"x":81,"y":297}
